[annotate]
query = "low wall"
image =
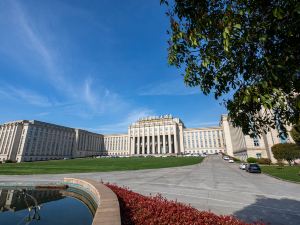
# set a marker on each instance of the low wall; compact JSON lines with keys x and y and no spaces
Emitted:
{"x":108,"y":211}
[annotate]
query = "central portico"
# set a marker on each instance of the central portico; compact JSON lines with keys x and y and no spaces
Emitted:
{"x":156,"y":135}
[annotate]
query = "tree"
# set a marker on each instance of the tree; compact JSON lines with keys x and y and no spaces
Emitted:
{"x":287,"y":151}
{"x":245,"y":52}
{"x":295,"y":133}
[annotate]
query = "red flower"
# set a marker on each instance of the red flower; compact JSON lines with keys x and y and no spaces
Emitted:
{"x":137,"y":209}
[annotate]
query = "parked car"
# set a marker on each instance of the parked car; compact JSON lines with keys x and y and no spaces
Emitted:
{"x":253,"y":168}
{"x":226,"y":158}
{"x":230,"y":161}
{"x":243,"y":166}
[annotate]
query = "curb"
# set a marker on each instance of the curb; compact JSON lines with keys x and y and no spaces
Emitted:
{"x":108,"y":210}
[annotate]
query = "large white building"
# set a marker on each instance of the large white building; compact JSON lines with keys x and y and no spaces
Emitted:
{"x":164,"y":135}
{"x":33,"y":140}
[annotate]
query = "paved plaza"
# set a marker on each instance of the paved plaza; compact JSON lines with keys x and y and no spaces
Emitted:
{"x":213,"y":185}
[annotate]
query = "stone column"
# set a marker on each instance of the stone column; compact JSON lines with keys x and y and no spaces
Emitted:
{"x":8,"y":142}
{"x":181,"y":139}
{"x":3,"y":137}
{"x":175,"y":140}
{"x":164,"y":141}
{"x":148,"y":140}
{"x":169,"y":141}
{"x":143,"y":142}
{"x":138,"y":148}
{"x":153,"y":139}
{"x":11,"y":141}
{"x":158,"y":142}
{"x":133,"y":142}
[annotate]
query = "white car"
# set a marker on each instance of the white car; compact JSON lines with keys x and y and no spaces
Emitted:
{"x":230,"y":161}
{"x":243,"y":166}
{"x":226,"y":158}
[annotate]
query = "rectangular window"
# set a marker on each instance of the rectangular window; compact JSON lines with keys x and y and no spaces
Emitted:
{"x":255,"y":141}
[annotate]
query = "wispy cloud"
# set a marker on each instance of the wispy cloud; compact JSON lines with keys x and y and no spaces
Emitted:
{"x":24,"y":95}
{"x":42,"y":114}
{"x":122,"y":126}
{"x":202,"y":123}
{"x":95,"y":99}
{"x":100,"y":98}
{"x":173,"y":87}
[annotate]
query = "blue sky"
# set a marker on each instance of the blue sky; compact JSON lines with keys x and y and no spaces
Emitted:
{"x":96,"y":65}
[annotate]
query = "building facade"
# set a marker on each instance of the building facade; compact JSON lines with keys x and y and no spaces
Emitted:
{"x":116,"y":144}
{"x":203,"y":140}
{"x":165,"y":135}
{"x":33,"y":140}
{"x":243,"y":146}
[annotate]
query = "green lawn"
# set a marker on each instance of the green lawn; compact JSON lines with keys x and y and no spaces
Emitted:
{"x":287,"y":172}
{"x":95,"y":165}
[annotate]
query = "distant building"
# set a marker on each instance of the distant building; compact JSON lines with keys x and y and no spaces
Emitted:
{"x":32,"y":140}
{"x":243,"y":146}
{"x":158,"y":135}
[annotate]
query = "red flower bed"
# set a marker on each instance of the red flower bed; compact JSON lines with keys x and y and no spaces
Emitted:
{"x":137,"y":209}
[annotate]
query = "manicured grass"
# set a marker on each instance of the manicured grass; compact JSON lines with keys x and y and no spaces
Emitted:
{"x":287,"y":172}
{"x":95,"y":165}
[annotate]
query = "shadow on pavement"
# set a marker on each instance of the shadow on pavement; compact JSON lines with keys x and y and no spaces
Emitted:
{"x":272,"y":211}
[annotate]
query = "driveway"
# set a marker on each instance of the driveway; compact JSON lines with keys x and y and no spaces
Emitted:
{"x":213,"y":185}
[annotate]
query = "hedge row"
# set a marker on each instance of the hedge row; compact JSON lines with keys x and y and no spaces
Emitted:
{"x":137,"y":209}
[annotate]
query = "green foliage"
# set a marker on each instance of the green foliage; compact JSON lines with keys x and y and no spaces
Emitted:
{"x":250,"y":49}
{"x":295,"y":133}
{"x":287,"y":151}
{"x":265,"y":161}
{"x":252,"y":160}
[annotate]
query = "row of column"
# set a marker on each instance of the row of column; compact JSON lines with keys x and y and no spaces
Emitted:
{"x":155,"y":144}
{"x":116,"y":143}
{"x":7,"y":134}
{"x":90,"y":143}
{"x":45,"y":141}
{"x":210,"y":140}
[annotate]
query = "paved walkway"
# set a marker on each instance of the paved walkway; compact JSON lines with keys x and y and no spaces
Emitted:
{"x":212,"y":185}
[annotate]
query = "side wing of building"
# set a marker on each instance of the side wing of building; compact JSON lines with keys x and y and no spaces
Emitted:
{"x":203,"y":140}
{"x":34,"y":140}
{"x":116,"y":144}
{"x":243,"y":146}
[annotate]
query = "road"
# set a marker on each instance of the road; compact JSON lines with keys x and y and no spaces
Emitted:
{"x":214,"y":185}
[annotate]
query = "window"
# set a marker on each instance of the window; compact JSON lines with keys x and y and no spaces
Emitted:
{"x":283,"y":138}
{"x":255,"y":141}
{"x":258,"y":155}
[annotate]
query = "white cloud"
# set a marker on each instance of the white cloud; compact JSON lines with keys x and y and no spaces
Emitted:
{"x":24,"y":95}
{"x":42,"y":114}
{"x":201,"y":123}
{"x":100,"y":99}
{"x":172,"y":87}
{"x":95,"y":99}
{"x":122,"y":126}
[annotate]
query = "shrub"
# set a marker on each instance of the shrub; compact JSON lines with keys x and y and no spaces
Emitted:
{"x":286,"y":151}
{"x":137,"y":209}
{"x":252,"y":160}
{"x":265,"y":161}
{"x":9,"y":161}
